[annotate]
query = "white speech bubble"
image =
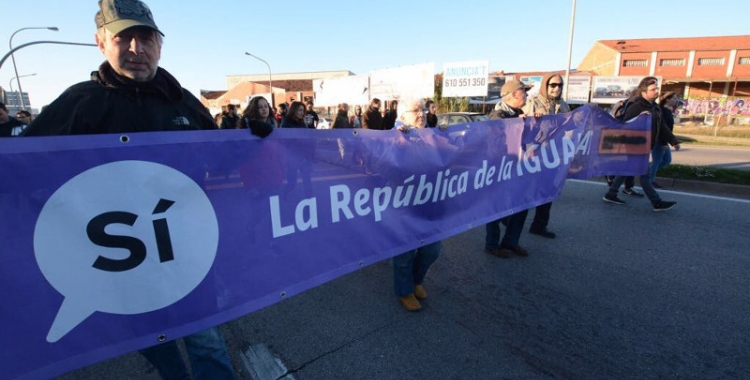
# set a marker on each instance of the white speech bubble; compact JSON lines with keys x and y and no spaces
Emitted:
{"x":124,"y":203}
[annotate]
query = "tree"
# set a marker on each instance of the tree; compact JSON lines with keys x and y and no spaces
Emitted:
{"x":448,"y":104}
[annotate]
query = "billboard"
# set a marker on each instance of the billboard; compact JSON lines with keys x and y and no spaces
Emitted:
{"x":610,"y":90}
{"x":578,"y":89}
{"x":329,"y":92}
{"x":416,"y":81}
{"x":465,"y":78}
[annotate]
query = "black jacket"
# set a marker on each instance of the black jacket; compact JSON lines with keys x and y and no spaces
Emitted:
{"x":12,"y":127}
{"x":389,"y":120}
{"x":659,"y":130}
{"x":372,"y":119}
{"x":431,"y":119}
{"x":110,"y":103}
{"x":229,"y":121}
{"x":504,"y":111}
{"x":342,"y":121}
{"x":668,"y":117}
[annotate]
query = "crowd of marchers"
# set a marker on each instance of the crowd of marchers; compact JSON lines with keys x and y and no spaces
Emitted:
{"x":129,"y":92}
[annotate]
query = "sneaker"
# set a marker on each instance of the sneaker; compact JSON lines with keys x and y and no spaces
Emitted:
{"x":610,"y":179}
{"x":613,"y":199}
{"x":664,"y":205}
{"x":543,"y":232}
{"x":419,"y":292}
{"x":632,"y":193}
{"x":656,"y":185}
{"x":499,"y":252}
{"x":517,"y":249}
{"x":410,"y":303}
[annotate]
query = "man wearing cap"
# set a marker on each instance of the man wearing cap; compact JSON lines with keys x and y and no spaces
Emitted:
{"x":131,"y":93}
{"x":548,"y":102}
{"x":512,"y":98}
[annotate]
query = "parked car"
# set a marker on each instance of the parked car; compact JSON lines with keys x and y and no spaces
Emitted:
{"x":615,"y":91}
{"x":453,"y":118}
{"x":324,"y":123}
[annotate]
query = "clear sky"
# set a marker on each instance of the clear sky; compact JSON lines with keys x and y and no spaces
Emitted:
{"x":206,"y":40}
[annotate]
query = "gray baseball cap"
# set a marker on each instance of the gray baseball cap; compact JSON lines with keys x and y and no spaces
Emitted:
{"x":118,"y":15}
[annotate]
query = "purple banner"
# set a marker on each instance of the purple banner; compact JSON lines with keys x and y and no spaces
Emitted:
{"x":112,"y":242}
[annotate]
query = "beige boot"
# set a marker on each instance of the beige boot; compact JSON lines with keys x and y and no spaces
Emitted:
{"x":419,"y":292}
{"x":410,"y":303}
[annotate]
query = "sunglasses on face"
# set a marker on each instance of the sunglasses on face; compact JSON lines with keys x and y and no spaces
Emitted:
{"x":555,"y":85}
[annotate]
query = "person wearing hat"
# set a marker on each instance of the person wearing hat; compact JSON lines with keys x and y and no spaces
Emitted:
{"x":512,"y":99}
{"x":131,"y":93}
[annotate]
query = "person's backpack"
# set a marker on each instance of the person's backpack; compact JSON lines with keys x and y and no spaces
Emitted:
{"x":618,"y":109}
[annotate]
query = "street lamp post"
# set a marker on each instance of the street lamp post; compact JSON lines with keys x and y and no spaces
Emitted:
{"x":570,"y":50}
{"x":270,"y":82}
{"x":10,"y":84}
{"x":13,"y":58}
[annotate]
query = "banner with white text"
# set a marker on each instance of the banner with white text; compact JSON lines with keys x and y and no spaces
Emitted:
{"x":113,"y":241}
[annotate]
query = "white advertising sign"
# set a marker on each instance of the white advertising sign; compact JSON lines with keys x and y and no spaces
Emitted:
{"x":417,"y":81}
{"x":330,"y":92}
{"x":465,"y":78}
{"x":610,"y":90}
{"x":578,"y":89}
{"x":534,"y":81}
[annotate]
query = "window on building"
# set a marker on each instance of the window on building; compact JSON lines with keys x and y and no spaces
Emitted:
{"x":744,"y":61}
{"x":635,"y":63}
{"x":710,"y":61}
{"x":672,"y":62}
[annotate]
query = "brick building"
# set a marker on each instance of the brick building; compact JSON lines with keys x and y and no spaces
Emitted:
{"x":696,"y":67}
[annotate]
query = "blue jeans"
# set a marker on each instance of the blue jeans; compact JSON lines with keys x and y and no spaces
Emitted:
{"x":661,"y":156}
{"x":207,"y":353}
{"x":514,"y":228}
{"x":646,"y":185}
{"x":410,"y":268}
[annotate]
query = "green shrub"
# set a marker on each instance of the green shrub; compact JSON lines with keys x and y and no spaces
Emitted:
{"x":706,"y":173}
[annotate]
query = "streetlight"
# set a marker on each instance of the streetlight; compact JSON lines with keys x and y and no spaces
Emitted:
{"x":270,"y":83}
{"x":10,"y":84}
{"x":13,"y":58}
{"x":570,"y":50}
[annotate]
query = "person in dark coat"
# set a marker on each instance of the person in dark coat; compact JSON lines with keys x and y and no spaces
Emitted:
{"x":643,"y":102}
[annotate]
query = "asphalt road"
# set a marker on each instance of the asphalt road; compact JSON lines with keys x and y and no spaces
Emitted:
{"x":737,"y":158}
{"x":622,"y":293}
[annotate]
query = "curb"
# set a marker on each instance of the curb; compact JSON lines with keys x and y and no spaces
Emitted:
{"x":700,"y":187}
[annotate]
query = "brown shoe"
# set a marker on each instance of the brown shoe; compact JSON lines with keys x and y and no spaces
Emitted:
{"x":419,"y":292}
{"x":410,"y":303}
{"x":517,"y":249}
{"x":502,"y":253}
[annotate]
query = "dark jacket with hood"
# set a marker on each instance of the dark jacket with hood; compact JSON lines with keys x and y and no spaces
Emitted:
{"x":110,"y":103}
{"x":543,"y":104}
{"x":659,"y":131}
